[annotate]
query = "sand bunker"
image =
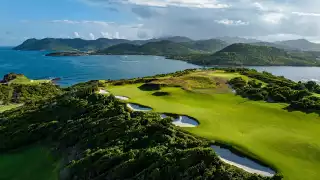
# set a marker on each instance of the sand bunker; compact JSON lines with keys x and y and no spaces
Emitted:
{"x":185,"y":121}
{"x":182,"y":121}
{"x":137,"y":107}
{"x":232,"y":89}
{"x":102,"y":91}
{"x":241,"y":162}
{"x":123,"y":98}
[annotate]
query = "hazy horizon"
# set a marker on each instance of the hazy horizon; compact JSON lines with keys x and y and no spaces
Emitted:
{"x":271,"y":20}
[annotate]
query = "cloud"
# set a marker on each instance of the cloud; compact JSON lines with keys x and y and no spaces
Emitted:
{"x":229,"y":22}
{"x":76,"y":35}
{"x":92,"y":36}
{"x":306,"y":14}
{"x":213,"y":4}
{"x":273,"y":18}
{"x":106,"y":35}
{"x":197,"y":19}
{"x":65,"y":21}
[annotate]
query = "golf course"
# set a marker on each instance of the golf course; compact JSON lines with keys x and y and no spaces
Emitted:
{"x":286,"y":141}
{"x":109,"y":128}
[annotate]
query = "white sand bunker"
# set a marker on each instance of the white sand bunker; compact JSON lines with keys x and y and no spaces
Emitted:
{"x":136,"y":107}
{"x":104,"y":92}
{"x":241,"y":162}
{"x":232,"y":89}
{"x":123,"y":98}
{"x":185,"y":121}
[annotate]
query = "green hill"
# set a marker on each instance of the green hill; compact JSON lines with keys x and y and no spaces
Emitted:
{"x":152,"y":48}
{"x":210,"y":45}
{"x":246,"y":54}
{"x":78,"y":44}
{"x":68,"y":44}
{"x":50,"y":44}
{"x":166,"y":47}
{"x":301,"y":44}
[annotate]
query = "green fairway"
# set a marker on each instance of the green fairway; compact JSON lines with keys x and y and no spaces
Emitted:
{"x":25,"y":80}
{"x":8,"y":107}
{"x":287,"y":141}
{"x":29,"y":164}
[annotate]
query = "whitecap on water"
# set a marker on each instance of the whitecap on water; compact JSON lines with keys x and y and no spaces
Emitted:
{"x":242,"y":162}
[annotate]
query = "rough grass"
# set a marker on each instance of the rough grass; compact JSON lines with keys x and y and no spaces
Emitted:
{"x":8,"y":107}
{"x":189,"y":82}
{"x":33,"y":163}
{"x":288,"y":141}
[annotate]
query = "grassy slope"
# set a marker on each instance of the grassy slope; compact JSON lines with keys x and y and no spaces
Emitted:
{"x":34,"y":163}
{"x":286,"y":140}
{"x":25,"y":80}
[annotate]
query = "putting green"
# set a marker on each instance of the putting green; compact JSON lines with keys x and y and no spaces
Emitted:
{"x":33,"y":163}
{"x":287,"y":141}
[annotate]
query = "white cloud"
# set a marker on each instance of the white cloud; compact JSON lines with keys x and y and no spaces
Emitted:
{"x":106,"y":35}
{"x":65,"y":21}
{"x":76,"y":34}
{"x":306,"y":14}
{"x":212,"y":4}
{"x":232,"y":22}
{"x":259,"y":6}
{"x":92,"y":36}
{"x":273,"y":18}
{"x":117,"y":35}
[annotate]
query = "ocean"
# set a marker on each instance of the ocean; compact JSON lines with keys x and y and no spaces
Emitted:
{"x":72,"y":70}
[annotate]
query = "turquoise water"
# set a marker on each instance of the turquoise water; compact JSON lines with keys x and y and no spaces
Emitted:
{"x":73,"y":70}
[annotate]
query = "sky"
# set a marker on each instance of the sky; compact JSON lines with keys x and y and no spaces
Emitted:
{"x":267,"y":20}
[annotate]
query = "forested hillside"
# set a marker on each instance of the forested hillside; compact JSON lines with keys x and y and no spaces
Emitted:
{"x":153,"y":48}
{"x":246,"y":54}
{"x":97,"y":137}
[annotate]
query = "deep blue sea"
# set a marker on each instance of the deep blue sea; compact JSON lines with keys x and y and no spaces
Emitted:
{"x":73,"y":70}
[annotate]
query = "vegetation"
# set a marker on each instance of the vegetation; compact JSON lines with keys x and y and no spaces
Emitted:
{"x":67,"y":44}
{"x":153,"y":48}
{"x":278,"y":89}
{"x":17,"y":89}
{"x":301,"y":44}
{"x":246,"y":54}
{"x":98,"y":138}
{"x":8,"y":107}
{"x":286,"y":140}
{"x":31,"y":163}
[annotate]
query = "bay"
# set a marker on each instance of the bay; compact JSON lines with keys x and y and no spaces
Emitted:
{"x":72,"y":70}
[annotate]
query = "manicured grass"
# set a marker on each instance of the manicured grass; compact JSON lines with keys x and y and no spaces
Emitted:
{"x":8,"y":107}
{"x":288,"y":141}
{"x":25,"y":80}
{"x":33,"y":163}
